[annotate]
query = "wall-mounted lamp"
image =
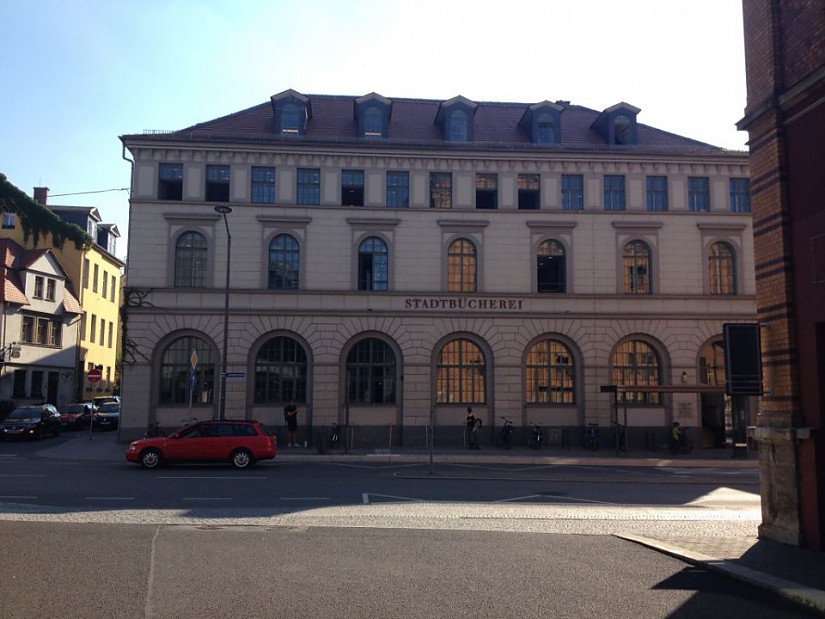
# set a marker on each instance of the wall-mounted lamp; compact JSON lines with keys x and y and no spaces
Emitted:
{"x":684,"y":377}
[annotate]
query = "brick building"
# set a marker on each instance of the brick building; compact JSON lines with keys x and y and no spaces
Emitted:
{"x":785,"y":119}
{"x":396,"y":257}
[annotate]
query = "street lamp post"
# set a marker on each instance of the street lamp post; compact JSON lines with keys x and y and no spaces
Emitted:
{"x":225,"y":210}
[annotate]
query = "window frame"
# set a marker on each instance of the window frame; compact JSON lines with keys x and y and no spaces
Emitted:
{"x":217,"y":182}
{"x":486,"y":191}
{"x":290,"y":255}
{"x":281,"y":371}
{"x":529,"y":192}
{"x":722,"y":278}
{"x":170,"y":181}
{"x":398,"y":189}
{"x":369,"y":275}
{"x":698,"y":194}
{"x":614,"y":192}
{"x":370,"y":364}
{"x":175,"y":374}
{"x":632,"y":261}
{"x":560,"y":284}
{"x":262,"y":185}
{"x":462,"y":266}
{"x":630,"y":372}
{"x":657,"y":198}
{"x":740,"y":198}
{"x":308,"y":186}
{"x":441,"y":190}
{"x":556,"y":373}
{"x":352,"y":187}
{"x":465,"y":380}
{"x":572,"y":192}
{"x":193,"y":274}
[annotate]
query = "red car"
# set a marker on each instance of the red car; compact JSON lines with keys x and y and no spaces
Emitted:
{"x":240,"y":443}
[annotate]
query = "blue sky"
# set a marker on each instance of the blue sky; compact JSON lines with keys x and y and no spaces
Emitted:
{"x":78,"y":74}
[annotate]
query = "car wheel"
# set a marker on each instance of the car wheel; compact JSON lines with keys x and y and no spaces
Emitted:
{"x":242,"y":459}
{"x":150,"y":458}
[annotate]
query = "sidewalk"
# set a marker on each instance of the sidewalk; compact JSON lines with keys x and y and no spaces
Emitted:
{"x":795,"y":573}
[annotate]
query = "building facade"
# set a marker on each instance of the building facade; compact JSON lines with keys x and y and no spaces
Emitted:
{"x":40,"y":318}
{"x":394,"y":261}
{"x":785,"y":119}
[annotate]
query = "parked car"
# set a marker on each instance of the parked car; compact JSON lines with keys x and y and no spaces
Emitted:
{"x":33,"y":422}
{"x":76,"y":415}
{"x":107,"y":416}
{"x":240,"y":443}
{"x":106,"y":399}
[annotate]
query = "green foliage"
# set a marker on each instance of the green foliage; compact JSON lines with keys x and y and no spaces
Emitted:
{"x":39,"y":222}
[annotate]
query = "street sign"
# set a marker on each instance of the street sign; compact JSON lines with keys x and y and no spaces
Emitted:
{"x":235,"y":374}
{"x":193,"y":359}
{"x":94,"y":375}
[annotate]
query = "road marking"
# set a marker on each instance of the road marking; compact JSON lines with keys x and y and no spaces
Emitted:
{"x":240,"y":477}
{"x":19,"y":475}
{"x":206,"y":498}
{"x":110,"y":498}
{"x":562,"y":499}
{"x":365,"y":497}
{"x":305,"y":498}
{"x":21,"y":496}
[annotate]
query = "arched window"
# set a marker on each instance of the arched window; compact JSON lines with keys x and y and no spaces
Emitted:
{"x":461,"y":266}
{"x":551,"y":267}
{"x":545,"y":129}
{"x":457,"y":129}
{"x":283,"y":263}
{"x":371,"y":373}
{"x":635,"y":363}
{"x":636,"y":268}
{"x":722,"y":269}
{"x":461,"y":374}
{"x":550,"y":376}
{"x":190,"y":261}
{"x":373,"y":265}
{"x":373,"y":123}
{"x":176,"y":372}
{"x":280,"y":372}
{"x":712,"y":364}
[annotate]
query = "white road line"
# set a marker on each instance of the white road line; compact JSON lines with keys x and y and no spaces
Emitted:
{"x":238,"y":478}
{"x":560,"y":498}
{"x":110,"y":498}
{"x":206,"y":498}
{"x":21,"y":496}
{"x":365,"y":497}
{"x":19,"y":475}
{"x":305,"y":498}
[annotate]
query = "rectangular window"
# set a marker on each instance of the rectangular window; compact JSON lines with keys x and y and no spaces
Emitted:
{"x":105,"y":292}
{"x":572,"y":192}
{"x":263,"y":185}
{"x":111,"y":333}
{"x":170,"y":181}
{"x":83,"y":328}
{"x":103,"y":332}
{"x":398,"y":189}
{"x":309,"y":186}
{"x":698,"y":194}
{"x":217,"y":183}
{"x":614,"y":193}
{"x":9,"y":219}
{"x":740,"y":195}
{"x":19,"y":389}
{"x":27,"y":330}
{"x":55,"y":333}
{"x":42,"y":336}
{"x":487,"y":191}
{"x":86,"y":273}
{"x":529,"y":192}
{"x":656,"y":193}
{"x":93,"y":328}
{"x":352,"y":188}
{"x":441,"y":190}
{"x":51,"y":286}
{"x":38,"y":287}
{"x":112,"y":289}
{"x":94,"y":279}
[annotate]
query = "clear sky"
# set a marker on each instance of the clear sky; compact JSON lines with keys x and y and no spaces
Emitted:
{"x":77,"y":74}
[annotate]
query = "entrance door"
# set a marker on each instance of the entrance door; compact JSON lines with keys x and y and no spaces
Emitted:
{"x":51,"y":389}
{"x":713,"y":420}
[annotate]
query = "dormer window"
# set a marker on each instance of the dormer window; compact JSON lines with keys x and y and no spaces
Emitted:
{"x":617,"y":125}
{"x":372,"y":116}
{"x":292,"y":111}
{"x":456,"y":119}
{"x":542,"y":122}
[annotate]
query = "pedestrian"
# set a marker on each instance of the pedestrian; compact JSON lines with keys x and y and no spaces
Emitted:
{"x":291,"y":418}
{"x":473,"y":424}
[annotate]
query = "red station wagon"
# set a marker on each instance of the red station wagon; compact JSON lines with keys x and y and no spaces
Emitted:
{"x":240,"y":443}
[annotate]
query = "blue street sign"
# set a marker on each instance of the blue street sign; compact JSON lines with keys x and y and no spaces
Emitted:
{"x":192,"y":380}
{"x":235,"y":374}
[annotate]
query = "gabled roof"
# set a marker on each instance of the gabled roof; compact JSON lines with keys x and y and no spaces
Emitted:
{"x":88,"y":211}
{"x":16,"y":260}
{"x":495,"y":126}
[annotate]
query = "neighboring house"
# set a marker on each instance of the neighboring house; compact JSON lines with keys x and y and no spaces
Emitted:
{"x":40,"y":317}
{"x":397,"y":260}
{"x":95,"y":273}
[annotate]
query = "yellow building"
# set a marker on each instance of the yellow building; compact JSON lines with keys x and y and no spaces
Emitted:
{"x":96,"y":275}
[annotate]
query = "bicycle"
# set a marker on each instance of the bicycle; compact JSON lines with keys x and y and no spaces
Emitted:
{"x":591,"y":437}
{"x":505,"y":437}
{"x":681,"y":446}
{"x":187,"y":420}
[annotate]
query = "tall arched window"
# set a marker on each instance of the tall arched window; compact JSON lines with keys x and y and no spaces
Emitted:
{"x":551,"y":267}
{"x":457,"y":130}
{"x":550,"y":374}
{"x":712,"y":363}
{"x":636,"y":268}
{"x":283,"y":263}
{"x":176,"y":381}
{"x":722,"y":269}
{"x":461,"y":266}
{"x":373,"y":265}
{"x":190,"y":260}
{"x":371,"y":373}
{"x":461,"y":374}
{"x":635,"y":363}
{"x":280,"y":372}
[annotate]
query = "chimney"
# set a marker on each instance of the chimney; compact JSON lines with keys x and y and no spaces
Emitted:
{"x":41,"y":195}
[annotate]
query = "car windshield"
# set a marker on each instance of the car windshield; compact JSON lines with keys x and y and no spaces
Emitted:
{"x":25,"y":413}
{"x":106,"y":399}
{"x":109,"y":408}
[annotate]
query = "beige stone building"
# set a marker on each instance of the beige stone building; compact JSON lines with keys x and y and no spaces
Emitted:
{"x":394,"y":261}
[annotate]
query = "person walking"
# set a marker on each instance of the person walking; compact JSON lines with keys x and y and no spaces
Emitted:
{"x":291,"y":418}
{"x":473,"y":424}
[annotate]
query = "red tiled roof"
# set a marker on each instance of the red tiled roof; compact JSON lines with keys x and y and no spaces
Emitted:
{"x":11,"y":287}
{"x":412,"y":123}
{"x":70,"y":302}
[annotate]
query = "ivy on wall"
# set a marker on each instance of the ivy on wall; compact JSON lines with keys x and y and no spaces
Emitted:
{"x":37,"y":221}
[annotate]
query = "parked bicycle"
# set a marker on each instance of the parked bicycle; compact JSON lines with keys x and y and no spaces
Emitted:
{"x":505,"y":436}
{"x":591,"y":436}
{"x":153,"y":430}
{"x":536,"y":436}
{"x":679,"y":441}
{"x":334,"y":435}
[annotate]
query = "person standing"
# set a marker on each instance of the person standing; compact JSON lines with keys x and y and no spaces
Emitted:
{"x":472,"y":424}
{"x":291,"y":418}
